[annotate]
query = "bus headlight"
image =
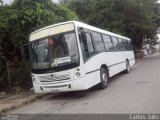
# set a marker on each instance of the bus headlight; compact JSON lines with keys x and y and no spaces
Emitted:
{"x":34,"y":79}
{"x":78,"y":69}
{"x":77,"y":73}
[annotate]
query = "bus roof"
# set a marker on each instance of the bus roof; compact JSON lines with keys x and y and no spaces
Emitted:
{"x":80,"y":24}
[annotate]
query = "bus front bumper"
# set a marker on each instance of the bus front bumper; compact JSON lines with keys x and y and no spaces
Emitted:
{"x":74,"y":85}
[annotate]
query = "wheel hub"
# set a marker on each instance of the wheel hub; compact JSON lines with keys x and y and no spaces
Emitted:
{"x":104,"y":77}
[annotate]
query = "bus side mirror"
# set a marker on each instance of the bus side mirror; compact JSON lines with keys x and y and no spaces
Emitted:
{"x":25,"y":52}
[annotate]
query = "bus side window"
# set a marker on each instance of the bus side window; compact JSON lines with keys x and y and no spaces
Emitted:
{"x":131,"y":46}
{"x":98,"y":42}
{"x":107,"y":42}
{"x":126,"y":44}
{"x":120,"y":45}
{"x":89,"y":43}
{"x":115,"y":43}
{"x":87,"y":46}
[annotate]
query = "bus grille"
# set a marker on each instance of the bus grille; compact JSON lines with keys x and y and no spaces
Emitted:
{"x":54,"y":78}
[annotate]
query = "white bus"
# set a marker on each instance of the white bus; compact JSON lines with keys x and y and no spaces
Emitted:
{"x":74,"y":56}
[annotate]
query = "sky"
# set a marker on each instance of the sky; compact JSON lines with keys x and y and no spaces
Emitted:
{"x":9,"y":1}
{"x":6,"y":1}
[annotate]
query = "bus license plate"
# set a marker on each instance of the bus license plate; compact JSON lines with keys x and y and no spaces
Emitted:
{"x":55,"y":90}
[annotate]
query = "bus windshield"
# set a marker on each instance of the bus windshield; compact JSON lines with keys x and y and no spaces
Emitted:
{"x":57,"y":50}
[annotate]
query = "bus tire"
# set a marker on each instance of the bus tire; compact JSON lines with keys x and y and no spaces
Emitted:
{"x":104,"y":76}
{"x":128,"y":68}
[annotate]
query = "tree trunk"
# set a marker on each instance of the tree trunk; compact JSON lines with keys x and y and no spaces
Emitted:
{"x":8,"y":75}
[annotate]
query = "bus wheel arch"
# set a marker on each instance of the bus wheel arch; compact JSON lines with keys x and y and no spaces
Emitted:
{"x":105,"y":67}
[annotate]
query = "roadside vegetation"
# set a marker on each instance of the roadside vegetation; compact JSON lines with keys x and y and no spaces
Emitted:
{"x":136,"y":19}
{"x":17,"y":21}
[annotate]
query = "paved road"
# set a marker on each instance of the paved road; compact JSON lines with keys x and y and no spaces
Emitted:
{"x":136,"y":92}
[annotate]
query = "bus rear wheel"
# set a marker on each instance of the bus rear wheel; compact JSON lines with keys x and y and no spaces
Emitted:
{"x":128,"y":68}
{"x":104,"y":78}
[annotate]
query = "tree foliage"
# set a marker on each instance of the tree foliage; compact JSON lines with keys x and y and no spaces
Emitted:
{"x":22,"y":17}
{"x":137,"y":19}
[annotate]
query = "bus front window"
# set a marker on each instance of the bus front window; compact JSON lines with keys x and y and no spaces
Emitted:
{"x":57,"y":50}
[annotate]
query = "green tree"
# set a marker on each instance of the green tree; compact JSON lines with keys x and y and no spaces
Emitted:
{"x":18,"y":20}
{"x":136,"y":19}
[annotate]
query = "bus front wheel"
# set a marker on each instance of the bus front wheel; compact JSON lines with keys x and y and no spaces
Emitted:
{"x":104,"y":78}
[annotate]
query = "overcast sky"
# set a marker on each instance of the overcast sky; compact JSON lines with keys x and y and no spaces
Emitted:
{"x":6,"y":1}
{"x":9,"y":1}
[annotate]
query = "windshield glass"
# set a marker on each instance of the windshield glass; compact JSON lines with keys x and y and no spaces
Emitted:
{"x":54,"y":51}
